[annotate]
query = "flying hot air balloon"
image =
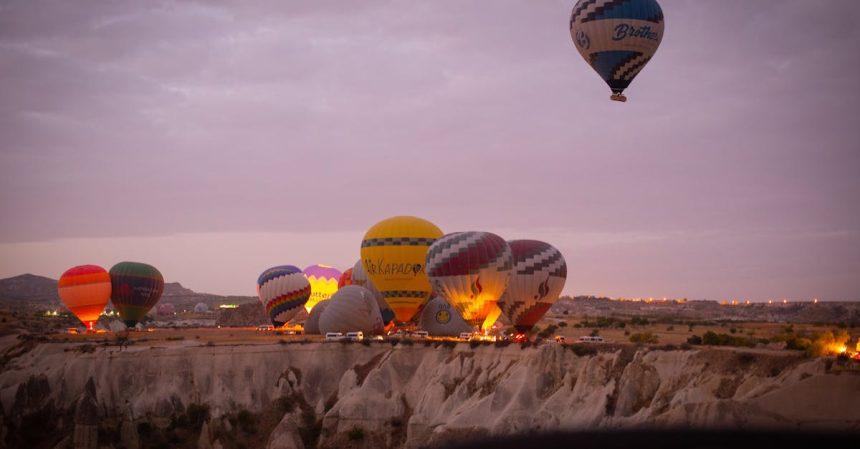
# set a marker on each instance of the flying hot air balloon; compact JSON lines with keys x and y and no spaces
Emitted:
{"x":538,"y":278}
{"x":323,"y":279}
{"x":393,"y":254}
{"x":345,"y":278}
{"x":283,"y":291}
{"x":85,"y":291}
{"x":135,"y":288}
{"x":617,"y":38}
{"x":471,"y":271}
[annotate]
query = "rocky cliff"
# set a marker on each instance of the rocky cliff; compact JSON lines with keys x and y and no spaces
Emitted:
{"x":329,"y":395}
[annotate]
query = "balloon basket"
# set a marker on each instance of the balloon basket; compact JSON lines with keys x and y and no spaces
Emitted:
{"x":618,"y":97}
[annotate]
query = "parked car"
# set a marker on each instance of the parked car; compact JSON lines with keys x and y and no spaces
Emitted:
{"x":421,"y":334}
{"x":265,"y":327}
{"x":355,"y":336}
{"x":465,"y":336}
{"x":333,"y":336}
{"x":590,"y":339}
{"x":559,"y":339}
{"x":377,"y":338}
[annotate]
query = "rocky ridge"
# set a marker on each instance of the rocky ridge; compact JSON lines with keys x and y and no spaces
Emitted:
{"x":329,"y":395}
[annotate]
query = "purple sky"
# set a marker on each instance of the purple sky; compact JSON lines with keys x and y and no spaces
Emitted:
{"x":214,"y":140}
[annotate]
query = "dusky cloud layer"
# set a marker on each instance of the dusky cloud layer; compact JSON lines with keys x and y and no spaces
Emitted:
{"x":732,"y":170}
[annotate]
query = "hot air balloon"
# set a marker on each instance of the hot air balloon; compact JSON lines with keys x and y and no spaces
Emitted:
{"x":283,"y":291}
{"x":393,"y":254}
{"x":617,"y":38}
{"x":345,"y":278}
{"x":351,"y":309}
{"x":359,"y":276}
{"x":312,"y":324}
{"x":85,"y":291}
{"x":440,"y":319}
{"x":471,"y":271}
{"x":538,"y":278}
{"x":166,"y":309}
{"x":323,"y":279}
{"x":135,"y":288}
{"x":201,"y":307}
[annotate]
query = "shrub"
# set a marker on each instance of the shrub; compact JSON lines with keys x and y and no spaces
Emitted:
{"x":583,"y":350}
{"x":175,"y":338}
{"x":639,"y":321}
{"x":546,"y":333}
{"x":713,"y":339}
{"x":595,"y":332}
{"x":394,"y":341}
{"x":670,"y":328}
{"x":694,"y":340}
{"x":246,"y":421}
{"x":733,"y":330}
{"x":356,"y":434}
{"x":645,"y":337}
{"x":562,"y":324}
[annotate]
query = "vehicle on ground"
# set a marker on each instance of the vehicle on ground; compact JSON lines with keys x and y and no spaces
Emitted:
{"x":354,"y":336}
{"x":333,"y":336}
{"x":421,"y":334}
{"x":591,"y":339}
{"x":559,"y":339}
{"x":465,"y":336}
{"x":377,"y":338}
{"x":519,"y":338}
{"x":265,"y":327}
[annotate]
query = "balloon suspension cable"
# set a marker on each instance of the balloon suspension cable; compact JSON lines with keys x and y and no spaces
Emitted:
{"x":618,"y":97}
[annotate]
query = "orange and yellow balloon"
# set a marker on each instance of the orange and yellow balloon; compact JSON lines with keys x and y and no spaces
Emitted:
{"x":85,"y":290}
{"x":323,"y":280}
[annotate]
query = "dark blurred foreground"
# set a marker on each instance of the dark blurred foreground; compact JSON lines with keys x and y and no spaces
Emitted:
{"x":673,"y":439}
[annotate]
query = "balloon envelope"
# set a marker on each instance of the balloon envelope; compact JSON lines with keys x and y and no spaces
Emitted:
{"x":351,"y":309}
{"x":538,"y":278}
{"x":312,"y":324}
{"x":323,"y":279}
{"x":345,"y":278}
{"x":617,"y":37}
{"x":393,"y":254}
{"x":440,"y":319}
{"x":201,"y":307}
{"x":283,"y":291}
{"x":135,"y":288}
{"x":85,"y":291}
{"x":165,"y":309}
{"x":471,"y":271}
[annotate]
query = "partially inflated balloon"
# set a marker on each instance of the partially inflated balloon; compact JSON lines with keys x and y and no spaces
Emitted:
{"x":312,"y":324}
{"x":617,"y":37}
{"x":351,"y":309}
{"x":440,"y":319}
{"x":135,"y":288}
{"x":166,"y":309}
{"x":393,"y":254}
{"x":358,"y":275}
{"x":537,"y":280}
{"x":283,"y":291}
{"x":345,"y":278}
{"x":323,"y":279}
{"x":85,"y":291}
{"x":471,"y":271}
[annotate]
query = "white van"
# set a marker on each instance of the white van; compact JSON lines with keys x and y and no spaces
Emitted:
{"x":591,"y":339}
{"x":354,"y":336}
{"x":421,"y":334}
{"x":265,"y":327}
{"x":465,"y":336}
{"x":333,"y":336}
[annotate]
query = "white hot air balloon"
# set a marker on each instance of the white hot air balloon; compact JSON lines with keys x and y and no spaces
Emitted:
{"x":441,"y":319}
{"x":352,"y":308}
{"x":312,"y":324}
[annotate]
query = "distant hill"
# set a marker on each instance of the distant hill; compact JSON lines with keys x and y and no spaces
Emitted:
{"x":29,"y":289}
{"x":39,"y":292}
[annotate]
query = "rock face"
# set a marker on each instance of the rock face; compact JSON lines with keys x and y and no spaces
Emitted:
{"x":330,"y":395}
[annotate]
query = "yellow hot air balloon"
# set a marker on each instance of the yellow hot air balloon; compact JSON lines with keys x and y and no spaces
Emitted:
{"x":393,"y":254}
